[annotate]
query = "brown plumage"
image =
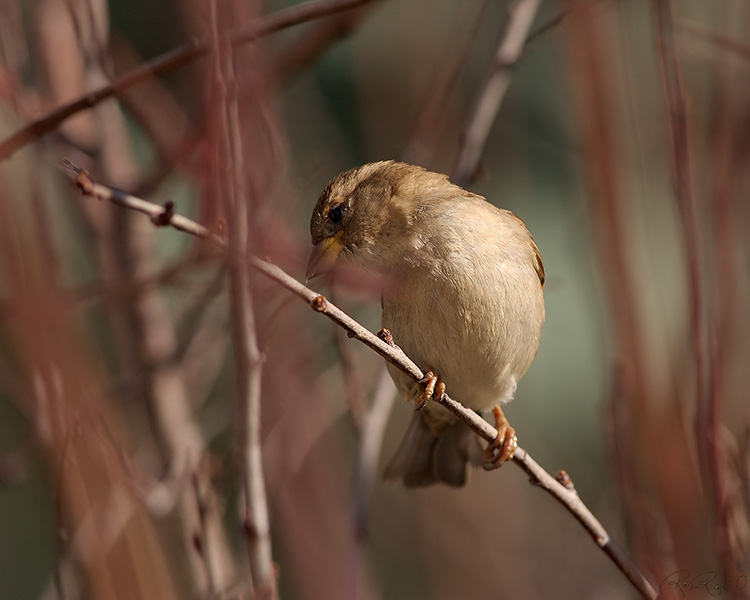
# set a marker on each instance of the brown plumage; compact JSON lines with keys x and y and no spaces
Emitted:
{"x":462,"y":296}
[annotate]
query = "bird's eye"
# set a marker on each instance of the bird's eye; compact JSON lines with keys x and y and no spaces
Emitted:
{"x":336,"y":213}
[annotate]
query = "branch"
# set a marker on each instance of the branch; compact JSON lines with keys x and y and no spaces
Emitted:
{"x":492,"y":94}
{"x":169,"y":61}
{"x":353,"y":392}
{"x":369,"y":448}
{"x":563,"y":492}
{"x":248,"y":361}
{"x":432,"y":117}
{"x":679,"y":138}
{"x":720,"y":41}
{"x":708,"y":401}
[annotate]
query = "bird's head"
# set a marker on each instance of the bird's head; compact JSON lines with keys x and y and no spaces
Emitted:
{"x":359,"y":215}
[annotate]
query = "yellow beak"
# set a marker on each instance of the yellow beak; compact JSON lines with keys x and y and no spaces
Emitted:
{"x":323,"y":255}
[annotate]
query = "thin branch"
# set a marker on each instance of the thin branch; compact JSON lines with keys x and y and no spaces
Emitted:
{"x":544,"y":28}
{"x":717,"y":39}
{"x":199,"y":537}
{"x":705,"y":339}
{"x":174,"y":59}
{"x":705,"y":426}
{"x":311,"y":43}
{"x":248,"y":360}
{"x":722,"y":310}
{"x":366,"y":471}
{"x":369,"y":449}
{"x":431,"y":119}
{"x":508,"y":52}
{"x":256,"y":524}
{"x":567,"y":496}
{"x":593,"y":45}
{"x":170,"y":61}
{"x":674,"y":97}
{"x":353,"y":391}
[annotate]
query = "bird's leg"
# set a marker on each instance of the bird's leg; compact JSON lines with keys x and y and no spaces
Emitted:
{"x":433,"y":387}
{"x":504,"y":445}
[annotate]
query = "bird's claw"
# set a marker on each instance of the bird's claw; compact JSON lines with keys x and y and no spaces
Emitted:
{"x":504,"y":445}
{"x":386,"y":335}
{"x":433,"y":388}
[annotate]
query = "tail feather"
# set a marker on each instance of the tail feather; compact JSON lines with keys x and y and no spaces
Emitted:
{"x":424,"y":458}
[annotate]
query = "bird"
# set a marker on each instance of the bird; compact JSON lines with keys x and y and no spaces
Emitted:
{"x":462,"y":295}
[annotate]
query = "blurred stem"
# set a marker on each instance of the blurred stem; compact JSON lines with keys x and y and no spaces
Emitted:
{"x":706,"y":425}
{"x":154,"y":333}
{"x":446,"y":71}
{"x":474,"y":136}
{"x":371,"y":441}
{"x":354,"y":394}
{"x":170,"y":61}
{"x":247,"y":357}
{"x":720,"y":40}
{"x":629,"y":403}
{"x":723,"y":324}
{"x":304,"y":49}
{"x":248,"y":364}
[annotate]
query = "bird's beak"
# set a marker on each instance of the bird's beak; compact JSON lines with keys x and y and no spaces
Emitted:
{"x":323,"y":255}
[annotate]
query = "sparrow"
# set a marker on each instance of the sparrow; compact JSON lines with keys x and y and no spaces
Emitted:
{"x":462,"y":295}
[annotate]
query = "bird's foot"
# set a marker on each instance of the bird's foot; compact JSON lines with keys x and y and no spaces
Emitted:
{"x":386,"y":335}
{"x":504,"y":445}
{"x":433,"y":388}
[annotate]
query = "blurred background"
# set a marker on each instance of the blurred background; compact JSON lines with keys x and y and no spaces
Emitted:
{"x":618,"y":131}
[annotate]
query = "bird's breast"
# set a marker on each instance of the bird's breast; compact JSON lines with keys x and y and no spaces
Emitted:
{"x":467,"y":323}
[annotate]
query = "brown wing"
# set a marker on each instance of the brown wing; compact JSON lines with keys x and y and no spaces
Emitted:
{"x":538,"y":265}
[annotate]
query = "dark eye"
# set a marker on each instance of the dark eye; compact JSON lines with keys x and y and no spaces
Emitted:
{"x":336,"y":213}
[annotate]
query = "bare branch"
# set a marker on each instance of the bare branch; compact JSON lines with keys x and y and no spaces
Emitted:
{"x":493,"y":91}
{"x":248,"y":361}
{"x":369,"y":449}
{"x":548,"y":26}
{"x":708,"y":401}
{"x":88,"y":187}
{"x":170,"y":61}
{"x":720,"y":41}
{"x":567,"y":497}
{"x":353,"y":391}
{"x":430,"y":122}
{"x":676,"y":106}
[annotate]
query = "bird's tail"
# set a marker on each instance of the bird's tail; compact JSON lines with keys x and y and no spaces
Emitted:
{"x":424,"y":458}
